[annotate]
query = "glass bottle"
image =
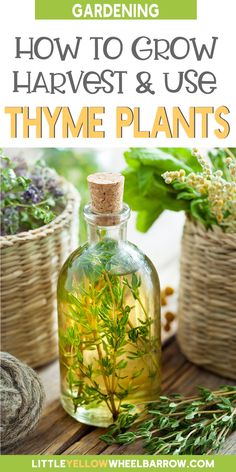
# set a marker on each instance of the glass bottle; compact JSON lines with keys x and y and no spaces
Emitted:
{"x":109,"y":315}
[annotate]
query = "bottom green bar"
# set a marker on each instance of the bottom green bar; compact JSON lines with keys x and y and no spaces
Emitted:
{"x":133,"y":463}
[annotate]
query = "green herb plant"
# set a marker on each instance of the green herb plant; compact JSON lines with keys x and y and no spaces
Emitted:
{"x":177,"y":424}
{"x":178,"y":179}
{"x":106,"y":355}
{"x":30,"y":196}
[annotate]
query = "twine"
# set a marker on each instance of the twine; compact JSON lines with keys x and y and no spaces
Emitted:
{"x":30,"y":264}
{"x":207,"y":298}
{"x":22,"y":395}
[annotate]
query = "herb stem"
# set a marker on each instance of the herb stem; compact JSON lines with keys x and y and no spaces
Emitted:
{"x":105,"y":378}
{"x":186,"y":431}
{"x":229,"y":152}
{"x":113,"y":386}
{"x":25,"y":205}
{"x":94,"y":385}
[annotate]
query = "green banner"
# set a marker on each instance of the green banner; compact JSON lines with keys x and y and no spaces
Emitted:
{"x":115,"y":10}
{"x":106,"y":463}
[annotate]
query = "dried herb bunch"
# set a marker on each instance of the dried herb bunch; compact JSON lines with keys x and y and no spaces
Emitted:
{"x":177,"y":424}
{"x":212,"y":191}
{"x":31,"y":196}
{"x":179,"y":179}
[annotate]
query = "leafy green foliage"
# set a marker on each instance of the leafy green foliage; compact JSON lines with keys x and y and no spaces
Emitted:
{"x":178,"y":425}
{"x":30,"y":197}
{"x":75,"y":166}
{"x":145,"y":190}
{"x":149,"y":194}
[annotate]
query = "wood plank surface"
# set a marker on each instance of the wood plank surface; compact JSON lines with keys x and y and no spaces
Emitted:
{"x":58,"y":433}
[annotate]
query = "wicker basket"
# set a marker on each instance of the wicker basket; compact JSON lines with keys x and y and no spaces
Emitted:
{"x":30,"y":263}
{"x":207,"y":298}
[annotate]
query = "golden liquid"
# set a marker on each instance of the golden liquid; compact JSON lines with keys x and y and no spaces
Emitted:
{"x":109,"y":354}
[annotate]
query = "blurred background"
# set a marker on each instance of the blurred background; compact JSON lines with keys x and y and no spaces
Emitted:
{"x":161,"y":243}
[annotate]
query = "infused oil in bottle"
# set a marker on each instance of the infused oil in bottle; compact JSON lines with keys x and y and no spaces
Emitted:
{"x":109,"y":314}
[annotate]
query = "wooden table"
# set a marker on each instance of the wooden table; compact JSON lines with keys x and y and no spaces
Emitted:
{"x":58,"y":433}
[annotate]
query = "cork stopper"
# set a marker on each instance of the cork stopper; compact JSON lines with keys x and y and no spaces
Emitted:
{"x":106,"y":192}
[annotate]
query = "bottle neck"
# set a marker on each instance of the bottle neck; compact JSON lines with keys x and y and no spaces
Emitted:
{"x":98,"y":233}
{"x":106,"y":226}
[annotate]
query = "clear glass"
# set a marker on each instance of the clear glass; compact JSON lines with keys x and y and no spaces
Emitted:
{"x":109,"y":324}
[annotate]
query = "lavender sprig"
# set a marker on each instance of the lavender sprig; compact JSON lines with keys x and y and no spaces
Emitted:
{"x":30,"y":196}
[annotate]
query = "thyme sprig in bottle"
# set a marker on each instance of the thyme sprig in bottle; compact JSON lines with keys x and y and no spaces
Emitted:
{"x":109,"y":314}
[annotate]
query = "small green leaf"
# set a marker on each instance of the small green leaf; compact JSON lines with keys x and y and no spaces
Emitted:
{"x":225,"y":418}
{"x":121,"y":365}
{"x":172,"y":405}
